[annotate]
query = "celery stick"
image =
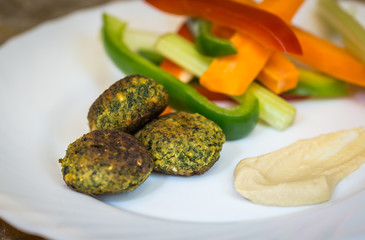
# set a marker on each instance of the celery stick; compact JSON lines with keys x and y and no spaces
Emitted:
{"x":151,"y":56}
{"x":183,"y":53}
{"x":143,"y":42}
{"x":273,"y":109}
{"x":137,"y":39}
{"x":351,"y":30}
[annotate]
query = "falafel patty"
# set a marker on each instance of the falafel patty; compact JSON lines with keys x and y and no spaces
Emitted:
{"x":182,"y":143}
{"x":128,"y":104}
{"x":106,"y":161}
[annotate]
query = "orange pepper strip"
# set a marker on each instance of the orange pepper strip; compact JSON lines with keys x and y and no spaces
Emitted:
{"x":279,"y":74}
{"x":264,"y":27}
{"x":329,"y":58}
{"x":283,"y":8}
{"x":233,"y":74}
{"x":319,"y":53}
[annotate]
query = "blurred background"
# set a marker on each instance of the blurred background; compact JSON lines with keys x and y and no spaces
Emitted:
{"x":17,"y":16}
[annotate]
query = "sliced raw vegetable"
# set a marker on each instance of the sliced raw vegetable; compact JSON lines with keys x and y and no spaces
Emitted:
{"x":167,"y":110}
{"x":183,"y":53}
{"x":283,"y":8}
{"x":264,"y":27}
{"x":211,"y":45}
{"x":279,"y":74}
{"x":329,"y":58}
{"x":176,"y":70}
{"x":315,"y":84}
{"x":319,"y":53}
{"x":140,"y":39}
{"x":213,"y":96}
{"x":351,"y":30}
{"x":185,"y":32}
{"x":221,"y":31}
{"x":152,"y":56}
{"x":172,"y":67}
{"x":275,"y":111}
{"x":142,"y":42}
{"x":233,"y":74}
{"x":236,"y":122}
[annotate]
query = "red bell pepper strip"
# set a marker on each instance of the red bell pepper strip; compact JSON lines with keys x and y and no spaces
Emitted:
{"x":268,"y":29}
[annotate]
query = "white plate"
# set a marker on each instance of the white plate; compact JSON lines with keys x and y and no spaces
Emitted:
{"x":49,"y":77}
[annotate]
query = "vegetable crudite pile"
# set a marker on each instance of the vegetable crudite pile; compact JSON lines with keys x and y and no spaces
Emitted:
{"x":247,"y":52}
{"x":164,"y":115}
{"x":110,"y":159}
{"x":240,"y":51}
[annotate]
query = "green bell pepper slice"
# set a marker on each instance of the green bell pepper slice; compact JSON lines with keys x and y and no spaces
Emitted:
{"x":315,"y":84}
{"x":236,"y":122}
{"x":150,"y":55}
{"x":207,"y":43}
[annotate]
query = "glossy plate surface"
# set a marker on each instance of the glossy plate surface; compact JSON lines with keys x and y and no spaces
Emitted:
{"x":48,"y":79}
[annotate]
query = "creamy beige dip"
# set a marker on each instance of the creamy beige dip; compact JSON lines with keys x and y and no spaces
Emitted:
{"x":302,"y":173}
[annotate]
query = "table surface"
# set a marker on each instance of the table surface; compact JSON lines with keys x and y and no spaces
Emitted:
{"x":17,"y":16}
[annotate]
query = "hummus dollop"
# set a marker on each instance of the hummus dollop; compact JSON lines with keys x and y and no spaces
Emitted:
{"x":302,"y":173}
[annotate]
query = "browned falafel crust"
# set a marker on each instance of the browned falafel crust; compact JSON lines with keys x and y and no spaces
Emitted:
{"x":106,"y":161}
{"x":182,"y":143}
{"x":128,"y":104}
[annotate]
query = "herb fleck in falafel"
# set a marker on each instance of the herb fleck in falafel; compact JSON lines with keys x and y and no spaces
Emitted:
{"x":182,"y":143}
{"x":106,"y":161}
{"x":128,"y":104}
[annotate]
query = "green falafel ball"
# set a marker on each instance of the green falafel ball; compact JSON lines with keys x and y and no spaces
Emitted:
{"x":182,"y":143}
{"x":128,"y":104}
{"x":106,"y":161}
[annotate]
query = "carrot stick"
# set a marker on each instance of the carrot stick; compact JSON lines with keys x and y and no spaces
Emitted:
{"x":233,"y":74}
{"x":185,"y":32}
{"x":176,"y":70}
{"x":167,"y":110}
{"x":329,"y":58}
{"x":279,"y":74}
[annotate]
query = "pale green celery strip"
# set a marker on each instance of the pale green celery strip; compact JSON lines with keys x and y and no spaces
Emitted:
{"x":138,"y":39}
{"x":183,"y":53}
{"x":351,"y":30}
{"x":273,"y":109}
